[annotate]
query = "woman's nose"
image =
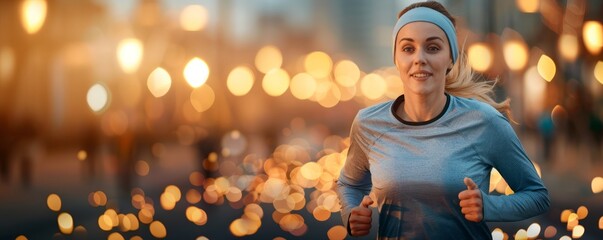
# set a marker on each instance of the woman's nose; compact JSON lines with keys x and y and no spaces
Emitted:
{"x":419,"y":57}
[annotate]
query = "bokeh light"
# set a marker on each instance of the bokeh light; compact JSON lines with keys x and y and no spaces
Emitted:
{"x":276,"y":82}
{"x":142,"y":168}
{"x":202,"y":98}
{"x":194,"y":18}
{"x":346,"y":73}
{"x":33,"y":15}
{"x":158,"y":230}
{"x":521,"y":234}
{"x":535,"y":89}
{"x":337,"y":232}
{"x":528,"y":6}
{"x":82,"y":155}
{"x":578,"y":231}
{"x":592,"y":34}
{"x":129,"y":54}
{"x":546,"y":68}
{"x":597,"y":184}
{"x":196,"y":72}
{"x":65,"y":222}
{"x":515,"y":50}
{"x":373,"y":86}
{"x":268,"y":58}
{"x":550,"y":232}
{"x":497,"y":234}
{"x":318,"y":64}
{"x":97,"y":97}
{"x":582,"y":212}
{"x":159,"y":82}
{"x":328,"y":94}
{"x":480,"y":57}
{"x":97,"y":198}
{"x":240,"y":80}
{"x":303,"y":86}
{"x":568,"y":47}
{"x":598,"y":71}
{"x":533,"y":231}
{"x":234,"y":143}
{"x":54,"y":202}
{"x":196,"y":215}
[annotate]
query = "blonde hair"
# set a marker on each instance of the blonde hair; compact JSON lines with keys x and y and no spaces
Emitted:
{"x":463,"y":82}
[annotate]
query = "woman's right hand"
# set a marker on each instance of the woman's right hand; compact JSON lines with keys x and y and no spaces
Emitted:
{"x":361,"y":218}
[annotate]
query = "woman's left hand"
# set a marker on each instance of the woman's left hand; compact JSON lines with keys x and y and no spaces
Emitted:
{"x":471,"y":201}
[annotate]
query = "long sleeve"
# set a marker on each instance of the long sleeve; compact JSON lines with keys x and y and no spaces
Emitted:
{"x":355,"y":178}
{"x":530,"y":198}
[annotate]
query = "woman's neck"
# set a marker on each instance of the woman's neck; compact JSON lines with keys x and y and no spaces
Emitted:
{"x":421,"y":108}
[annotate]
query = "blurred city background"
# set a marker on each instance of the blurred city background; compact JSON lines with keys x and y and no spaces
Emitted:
{"x":221,"y":119}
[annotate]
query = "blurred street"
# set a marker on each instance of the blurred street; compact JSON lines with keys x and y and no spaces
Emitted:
{"x":568,"y":177}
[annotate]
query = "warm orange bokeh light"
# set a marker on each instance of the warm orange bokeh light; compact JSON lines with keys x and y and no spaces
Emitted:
{"x":33,"y":15}
{"x":159,"y":82}
{"x":97,"y":97}
{"x":303,"y":86}
{"x":592,"y":34}
{"x":268,"y":58}
{"x":158,"y":230}
{"x":373,"y":86}
{"x":202,"y":98}
{"x":196,"y":72}
{"x":240,"y":80}
{"x":318,"y":64}
{"x":276,"y":82}
{"x":568,"y":47}
{"x":347,"y":73}
{"x":598,"y":71}
{"x":129,"y":54}
{"x":528,"y":6}
{"x":515,"y":50}
{"x":194,"y":18}
{"x":54,"y":202}
{"x":546,"y":68}
{"x":480,"y":57}
{"x":65,"y":222}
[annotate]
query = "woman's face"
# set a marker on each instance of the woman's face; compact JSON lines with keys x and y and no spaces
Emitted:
{"x":422,"y":57}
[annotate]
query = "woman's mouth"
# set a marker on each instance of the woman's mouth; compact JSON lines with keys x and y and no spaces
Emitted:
{"x":420,"y":75}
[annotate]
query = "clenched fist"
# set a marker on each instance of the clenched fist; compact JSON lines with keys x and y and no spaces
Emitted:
{"x":471,"y":201}
{"x":361,"y":218}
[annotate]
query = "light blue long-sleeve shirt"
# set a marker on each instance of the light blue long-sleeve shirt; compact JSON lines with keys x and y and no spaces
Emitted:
{"x":416,"y":170}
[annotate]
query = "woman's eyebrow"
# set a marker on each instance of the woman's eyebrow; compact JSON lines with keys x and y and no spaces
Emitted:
{"x":434,"y":38}
{"x":407,"y":39}
{"x":427,"y":40}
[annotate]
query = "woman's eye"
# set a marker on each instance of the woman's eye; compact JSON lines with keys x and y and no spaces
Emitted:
{"x":433,"y":48}
{"x":407,"y":49}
